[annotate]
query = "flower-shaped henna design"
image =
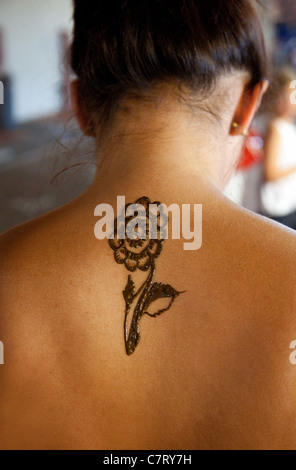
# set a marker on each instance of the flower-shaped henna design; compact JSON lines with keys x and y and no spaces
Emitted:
{"x":140,"y":252}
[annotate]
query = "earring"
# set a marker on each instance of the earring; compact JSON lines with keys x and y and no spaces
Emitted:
{"x":245,"y":131}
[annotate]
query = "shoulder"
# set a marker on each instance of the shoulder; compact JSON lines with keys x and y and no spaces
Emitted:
{"x":31,"y":260}
{"x":38,"y":291}
{"x":42,"y":262}
{"x":23,"y":325}
{"x":258,"y":254}
{"x":264,"y":259}
{"x":270,"y":280}
{"x":24,"y":285}
{"x":279,"y":130}
{"x":46,"y":242}
{"x":24,"y":254}
{"x":279,"y":125}
{"x":264,"y":240}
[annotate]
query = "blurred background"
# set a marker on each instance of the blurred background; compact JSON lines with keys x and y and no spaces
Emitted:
{"x":39,"y":138}
{"x":38,"y":135}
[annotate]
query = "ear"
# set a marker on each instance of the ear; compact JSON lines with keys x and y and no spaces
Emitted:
{"x":248,"y":105}
{"x":80,"y":110}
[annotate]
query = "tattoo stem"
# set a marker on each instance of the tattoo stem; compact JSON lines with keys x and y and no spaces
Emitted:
{"x":132,"y":338}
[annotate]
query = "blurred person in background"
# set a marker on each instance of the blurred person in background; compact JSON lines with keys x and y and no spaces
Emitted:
{"x":278,"y":193}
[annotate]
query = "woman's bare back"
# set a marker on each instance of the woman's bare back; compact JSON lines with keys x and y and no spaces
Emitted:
{"x":213,"y":372}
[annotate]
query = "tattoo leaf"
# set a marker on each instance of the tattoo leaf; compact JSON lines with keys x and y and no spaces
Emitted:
{"x":160,"y":291}
{"x":129,"y":291}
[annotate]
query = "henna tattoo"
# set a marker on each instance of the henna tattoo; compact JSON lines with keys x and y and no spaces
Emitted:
{"x":140,"y":253}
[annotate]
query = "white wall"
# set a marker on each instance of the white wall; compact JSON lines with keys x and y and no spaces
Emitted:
{"x":31,"y":53}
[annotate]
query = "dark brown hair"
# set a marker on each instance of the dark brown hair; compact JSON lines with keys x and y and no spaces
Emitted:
{"x":127,"y":46}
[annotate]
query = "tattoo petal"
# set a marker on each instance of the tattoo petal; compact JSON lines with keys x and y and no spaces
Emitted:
{"x":144,"y":201}
{"x":120,"y":255}
{"x":154,"y":248}
{"x":131,"y":264}
{"x":115,"y":242}
{"x":144,"y":262}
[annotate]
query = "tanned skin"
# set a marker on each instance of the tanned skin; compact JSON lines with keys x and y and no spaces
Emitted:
{"x":211,"y":373}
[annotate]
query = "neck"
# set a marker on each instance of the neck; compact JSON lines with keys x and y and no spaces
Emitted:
{"x":176,"y":154}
